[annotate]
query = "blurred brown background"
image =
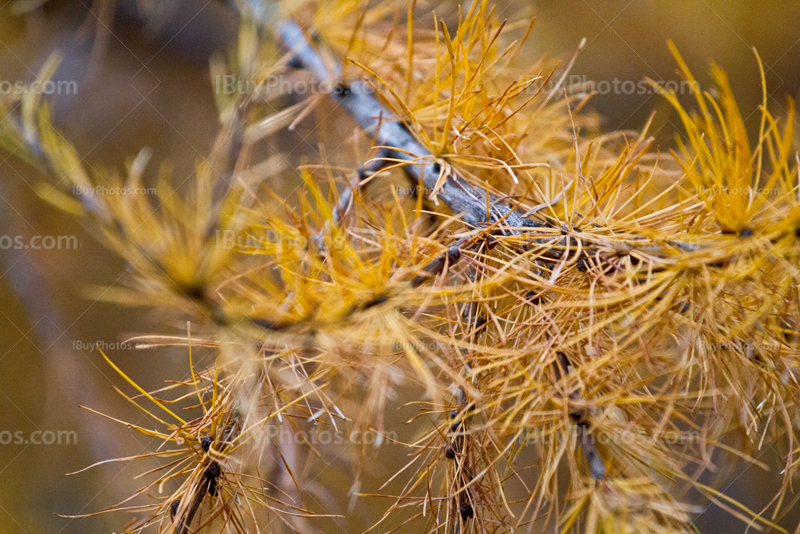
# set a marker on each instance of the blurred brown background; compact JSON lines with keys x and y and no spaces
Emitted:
{"x":151,"y":87}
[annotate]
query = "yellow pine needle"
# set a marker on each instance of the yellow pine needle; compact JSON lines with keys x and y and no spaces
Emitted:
{"x":139,"y":389}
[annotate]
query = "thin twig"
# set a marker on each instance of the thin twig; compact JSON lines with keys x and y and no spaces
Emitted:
{"x":208,"y":484}
{"x":593,"y":460}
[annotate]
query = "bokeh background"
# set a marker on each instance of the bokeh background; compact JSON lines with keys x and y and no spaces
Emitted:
{"x":145,"y":82}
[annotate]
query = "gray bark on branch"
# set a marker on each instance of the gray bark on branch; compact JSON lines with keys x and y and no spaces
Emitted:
{"x":358,"y":99}
{"x":470,"y":203}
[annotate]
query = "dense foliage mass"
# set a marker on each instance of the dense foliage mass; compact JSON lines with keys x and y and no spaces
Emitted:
{"x":586,"y":320}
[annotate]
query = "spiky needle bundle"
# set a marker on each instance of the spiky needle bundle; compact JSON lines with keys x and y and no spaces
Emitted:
{"x":589,"y":319}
